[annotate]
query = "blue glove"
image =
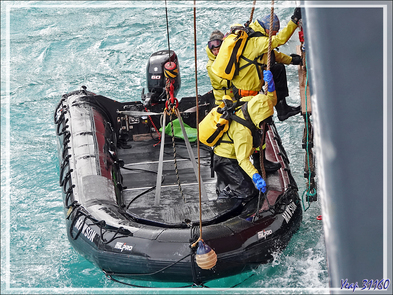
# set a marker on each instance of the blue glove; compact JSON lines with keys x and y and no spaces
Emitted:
{"x":268,"y":77}
{"x":259,"y":182}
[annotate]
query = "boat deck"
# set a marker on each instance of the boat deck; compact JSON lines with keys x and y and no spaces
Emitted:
{"x":176,"y":205}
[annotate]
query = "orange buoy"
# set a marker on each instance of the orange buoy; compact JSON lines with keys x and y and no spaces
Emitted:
{"x":206,"y":258}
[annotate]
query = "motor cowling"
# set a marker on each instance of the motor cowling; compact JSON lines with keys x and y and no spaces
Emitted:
{"x":156,"y":79}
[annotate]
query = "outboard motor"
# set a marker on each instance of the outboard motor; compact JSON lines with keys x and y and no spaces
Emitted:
{"x":156,"y":79}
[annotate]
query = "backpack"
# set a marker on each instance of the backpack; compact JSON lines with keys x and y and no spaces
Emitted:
{"x":217,"y":121}
{"x":214,"y":125}
{"x":226,"y":64}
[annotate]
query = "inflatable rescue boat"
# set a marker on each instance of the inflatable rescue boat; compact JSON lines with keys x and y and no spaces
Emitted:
{"x":114,"y":160}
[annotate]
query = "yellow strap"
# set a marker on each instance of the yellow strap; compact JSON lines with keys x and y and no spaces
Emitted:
{"x":264,"y":147}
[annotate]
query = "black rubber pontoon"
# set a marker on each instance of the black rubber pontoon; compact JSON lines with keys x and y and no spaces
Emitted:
{"x":108,"y":173}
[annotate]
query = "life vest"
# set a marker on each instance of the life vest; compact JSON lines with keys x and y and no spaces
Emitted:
{"x":226,"y":64}
{"x":217,"y":121}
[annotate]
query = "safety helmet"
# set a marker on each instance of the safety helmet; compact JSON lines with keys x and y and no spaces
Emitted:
{"x":265,"y":22}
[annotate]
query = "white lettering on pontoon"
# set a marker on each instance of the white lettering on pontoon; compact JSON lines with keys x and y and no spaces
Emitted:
{"x":289,"y":211}
{"x":123,"y":246}
{"x":264,"y":233}
{"x":86,"y":231}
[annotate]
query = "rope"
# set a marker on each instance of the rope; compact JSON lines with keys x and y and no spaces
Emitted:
{"x":168,"y":105}
{"x":109,"y":276}
{"x":252,"y":10}
{"x":261,"y":152}
{"x":270,"y":41}
{"x":197,"y":125}
{"x":152,"y":273}
{"x":167,"y":30}
{"x":147,"y":190}
{"x":115,"y":236}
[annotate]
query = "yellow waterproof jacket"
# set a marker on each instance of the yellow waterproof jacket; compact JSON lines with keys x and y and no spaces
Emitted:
{"x":220,"y":86}
{"x":280,"y":57}
{"x":259,"y":108}
{"x":248,"y":78}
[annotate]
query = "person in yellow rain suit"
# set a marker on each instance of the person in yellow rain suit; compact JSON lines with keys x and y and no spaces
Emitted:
{"x":220,"y":86}
{"x":236,"y":175}
{"x":254,"y":58}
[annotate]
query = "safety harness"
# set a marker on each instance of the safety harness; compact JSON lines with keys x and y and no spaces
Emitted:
{"x":230,"y":115}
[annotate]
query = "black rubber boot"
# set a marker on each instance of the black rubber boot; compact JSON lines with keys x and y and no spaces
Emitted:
{"x":271,"y":167}
{"x":285,"y":111}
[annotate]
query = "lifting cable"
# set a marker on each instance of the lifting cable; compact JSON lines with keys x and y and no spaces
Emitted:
{"x":206,"y":258}
{"x":170,"y":104}
{"x":168,"y":84}
{"x":169,"y":56}
{"x":171,"y":107}
{"x":197,"y":126}
{"x":167,"y":30}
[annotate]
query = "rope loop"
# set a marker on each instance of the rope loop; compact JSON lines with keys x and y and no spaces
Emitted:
{"x":68,"y":193}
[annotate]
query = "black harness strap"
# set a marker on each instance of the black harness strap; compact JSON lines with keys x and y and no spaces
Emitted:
{"x":256,"y":134}
{"x":251,"y":34}
{"x":247,"y":123}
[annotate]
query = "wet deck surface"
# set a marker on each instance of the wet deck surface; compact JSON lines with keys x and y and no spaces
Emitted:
{"x":175,"y":206}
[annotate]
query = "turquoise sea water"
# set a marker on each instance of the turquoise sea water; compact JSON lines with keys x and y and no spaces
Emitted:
{"x":51,"y":48}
